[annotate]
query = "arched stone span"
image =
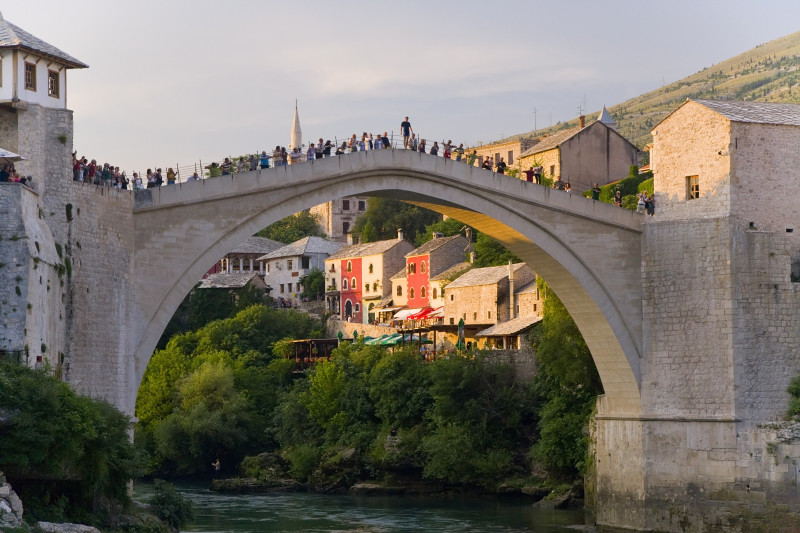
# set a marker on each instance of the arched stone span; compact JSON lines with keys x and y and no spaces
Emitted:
{"x":589,"y":252}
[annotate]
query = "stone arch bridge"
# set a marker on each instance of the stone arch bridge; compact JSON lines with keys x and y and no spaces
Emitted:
{"x":588,"y":251}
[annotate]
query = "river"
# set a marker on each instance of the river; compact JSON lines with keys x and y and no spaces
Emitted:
{"x":317,"y":513}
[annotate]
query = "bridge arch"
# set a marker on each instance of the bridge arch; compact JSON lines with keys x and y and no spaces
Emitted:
{"x":588,"y":252}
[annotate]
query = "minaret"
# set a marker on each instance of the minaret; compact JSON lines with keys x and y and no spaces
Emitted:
{"x":297,"y":134}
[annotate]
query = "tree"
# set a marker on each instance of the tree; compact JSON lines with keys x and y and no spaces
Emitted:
{"x":489,"y":252}
{"x":387,"y":216}
{"x":293,"y":228}
{"x":313,"y":284}
{"x":448,"y":228}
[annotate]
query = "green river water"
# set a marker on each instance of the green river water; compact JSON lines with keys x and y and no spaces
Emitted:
{"x":316,"y":513}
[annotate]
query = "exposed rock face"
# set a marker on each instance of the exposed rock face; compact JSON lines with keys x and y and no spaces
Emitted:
{"x":10,"y":505}
{"x":50,"y":527}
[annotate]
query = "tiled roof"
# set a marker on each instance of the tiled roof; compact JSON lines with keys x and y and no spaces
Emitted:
{"x":510,"y":327}
{"x":434,"y":244}
{"x":530,"y":287}
{"x":756,"y":112}
{"x":483,"y":276}
{"x":306,"y":245}
{"x":12,"y":36}
{"x":454,"y":270}
{"x":554,"y":140}
{"x":256,"y":245}
{"x":363,"y":250}
{"x":401,"y":274}
{"x":223,"y":280}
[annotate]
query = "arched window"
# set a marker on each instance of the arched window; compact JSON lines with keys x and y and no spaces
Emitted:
{"x":366,"y":287}
{"x":422,"y":267}
{"x":344,"y":284}
{"x":411,"y":293}
{"x":349,"y":266}
{"x":412,"y":268}
{"x":358,"y":307}
{"x":434,"y":293}
{"x":354,"y":283}
{"x":375,"y":286}
{"x":399,"y":290}
{"x":370,"y":268}
{"x":422,"y":292}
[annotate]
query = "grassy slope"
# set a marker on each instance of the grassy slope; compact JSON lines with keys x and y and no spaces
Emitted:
{"x":769,"y":72}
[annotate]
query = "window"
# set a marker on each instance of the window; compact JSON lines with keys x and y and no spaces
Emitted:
{"x":281,"y":288}
{"x":354,"y":283}
{"x":305,"y":262}
{"x":475,"y":315}
{"x":345,"y":205}
{"x":366,"y":287}
{"x":552,"y":171}
{"x":510,"y":157}
{"x":345,"y":227}
{"x":349,"y":266}
{"x":289,"y":287}
{"x":412,"y":268}
{"x":30,"y":76}
{"x":422,"y":292}
{"x":534,"y":308}
{"x":692,"y":187}
{"x":488,"y":314}
{"x":411,"y":293}
{"x":496,"y":158}
{"x":434,"y":293}
{"x":399,"y":290}
{"x":370,"y":268}
{"x":52,"y":83}
{"x":375,"y":286}
{"x":362,"y":205}
{"x":344,"y":284}
{"x":358,"y":307}
{"x":451,"y":297}
{"x":452,"y":321}
{"x":422,"y":267}
{"x":268,"y":267}
{"x":289,"y":264}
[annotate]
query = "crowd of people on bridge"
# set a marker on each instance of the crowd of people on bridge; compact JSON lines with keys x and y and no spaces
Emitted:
{"x":109,"y":175}
{"x":9,"y":174}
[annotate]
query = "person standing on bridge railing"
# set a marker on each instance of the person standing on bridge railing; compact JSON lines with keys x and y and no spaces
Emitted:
{"x":406,"y":129}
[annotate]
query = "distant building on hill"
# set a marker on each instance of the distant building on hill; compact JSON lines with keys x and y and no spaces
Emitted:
{"x":337,"y":217}
{"x":510,"y":151}
{"x":585,"y":154}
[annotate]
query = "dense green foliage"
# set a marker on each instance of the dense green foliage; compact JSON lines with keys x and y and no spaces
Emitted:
{"x":170,"y":506}
{"x":66,"y":455}
{"x":202,"y":306}
{"x":794,"y":402}
{"x":313,"y":284}
{"x":629,"y":187}
{"x":567,"y":384}
{"x":211,"y":392}
{"x":293,"y":228}
{"x":383,"y":218}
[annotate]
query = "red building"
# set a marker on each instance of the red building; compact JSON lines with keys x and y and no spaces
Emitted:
{"x":430,"y":259}
{"x":351,"y":289}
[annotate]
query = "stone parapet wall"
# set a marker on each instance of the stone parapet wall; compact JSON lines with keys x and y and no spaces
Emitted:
{"x":347,"y":328}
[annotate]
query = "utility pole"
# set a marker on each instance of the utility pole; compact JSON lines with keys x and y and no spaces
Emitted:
{"x":534,"y":121}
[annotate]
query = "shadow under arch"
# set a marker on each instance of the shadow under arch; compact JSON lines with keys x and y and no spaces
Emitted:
{"x":589,"y":253}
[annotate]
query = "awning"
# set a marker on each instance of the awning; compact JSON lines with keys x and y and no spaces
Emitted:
{"x":437,"y":313}
{"x":421,"y":315}
{"x":405,"y":313}
{"x":385,"y":309}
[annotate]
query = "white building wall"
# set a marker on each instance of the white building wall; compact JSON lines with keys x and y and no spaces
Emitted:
{"x":43,"y":66}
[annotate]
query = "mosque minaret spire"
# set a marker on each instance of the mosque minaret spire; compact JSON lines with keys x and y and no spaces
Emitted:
{"x":297,"y":133}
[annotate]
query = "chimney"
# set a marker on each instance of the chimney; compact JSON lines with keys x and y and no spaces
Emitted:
{"x":583,"y":121}
{"x":511,"y":306}
{"x":399,"y":234}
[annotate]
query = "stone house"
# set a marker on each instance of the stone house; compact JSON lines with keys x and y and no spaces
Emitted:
{"x":584,"y":154}
{"x":285,"y":267}
{"x":485,"y":296}
{"x":234,"y":283}
{"x":510,"y":151}
{"x":357,"y":277}
{"x":438,"y":283}
{"x":337,"y":217}
{"x":244,"y":258}
{"x":510,"y":334}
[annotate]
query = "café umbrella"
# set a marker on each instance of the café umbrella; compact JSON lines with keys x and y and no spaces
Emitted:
{"x":9,"y":157}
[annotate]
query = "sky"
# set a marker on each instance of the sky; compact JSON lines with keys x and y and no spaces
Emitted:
{"x":175,"y":82}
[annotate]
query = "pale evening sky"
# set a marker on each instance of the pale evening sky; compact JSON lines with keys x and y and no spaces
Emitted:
{"x":174,"y":82}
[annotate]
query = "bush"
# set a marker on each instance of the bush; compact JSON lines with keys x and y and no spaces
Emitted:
{"x":304,"y":458}
{"x":170,"y":506}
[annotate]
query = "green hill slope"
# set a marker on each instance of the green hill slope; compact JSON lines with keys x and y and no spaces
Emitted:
{"x":769,"y":72}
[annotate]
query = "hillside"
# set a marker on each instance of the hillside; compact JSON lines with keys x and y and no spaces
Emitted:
{"x":769,"y":72}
